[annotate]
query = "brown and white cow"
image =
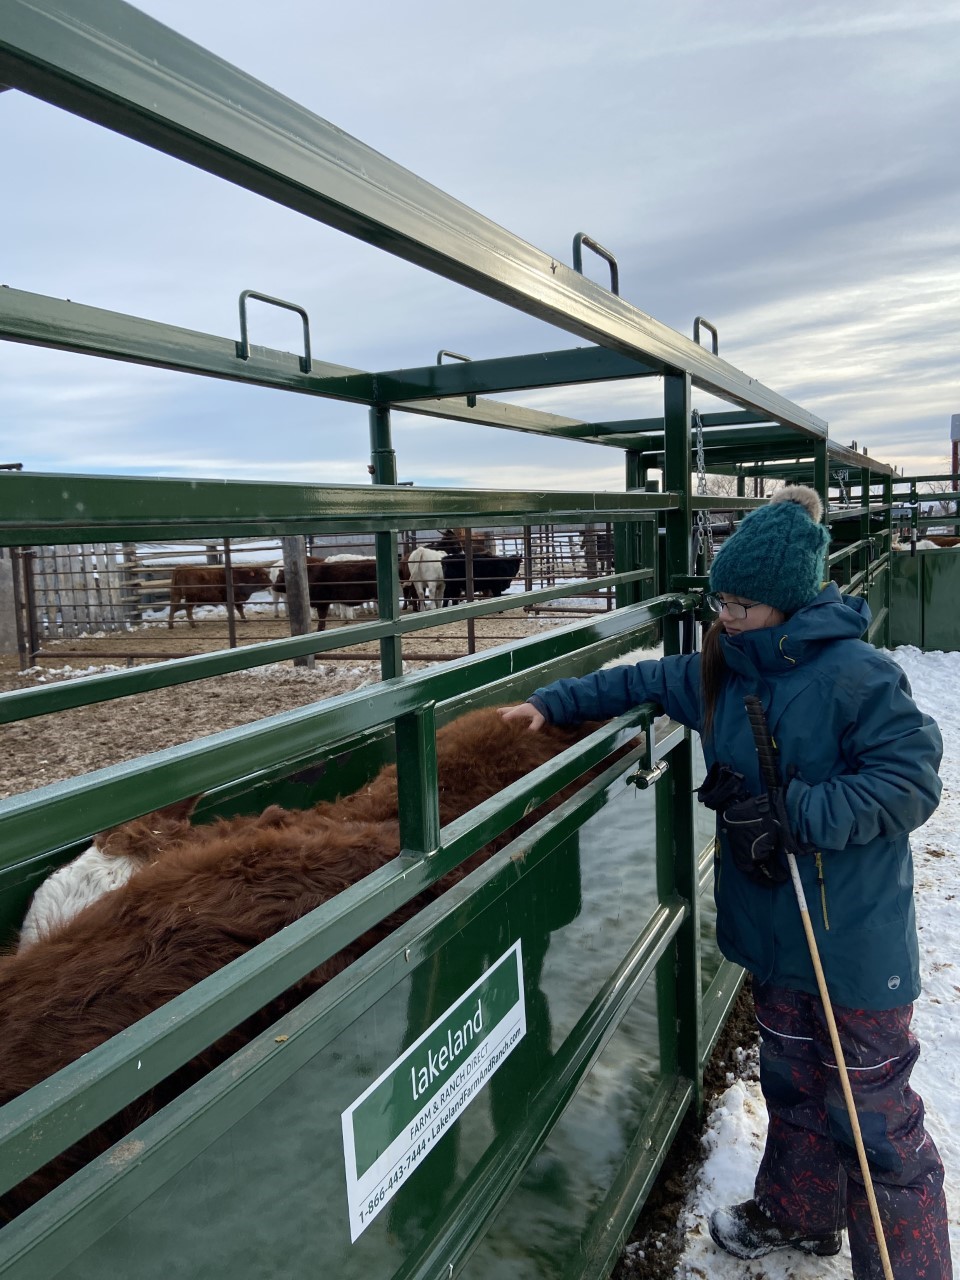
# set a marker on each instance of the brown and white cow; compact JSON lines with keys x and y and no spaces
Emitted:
{"x":276,"y":572}
{"x":193,"y":584}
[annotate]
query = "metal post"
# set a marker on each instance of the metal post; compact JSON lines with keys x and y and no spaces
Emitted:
{"x":884,"y":636}
{"x":676,"y":846}
{"x":590,"y":549}
{"x":383,"y":470}
{"x":65,"y":559}
{"x":130,"y":583}
{"x":383,"y":459}
{"x":419,"y":800}
{"x":297,"y":591}
{"x":468,"y":587}
{"x":914,"y":512}
{"x":624,"y":560}
{"x":821,"y":471}
{"x":678,"y":521}
{"x":19,"y":603}
{"x":630,"y":533}
{"x":863,"y":559}
{"x":28,"y":559}
{"x":228,"y":584}
{"x":649,"y":556}
{"x":633,"y":462}
{"x":650,"y":544}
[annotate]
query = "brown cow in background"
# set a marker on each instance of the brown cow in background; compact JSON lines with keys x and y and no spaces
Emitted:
{"x":193,"y":584}
{"x":346,"y":582}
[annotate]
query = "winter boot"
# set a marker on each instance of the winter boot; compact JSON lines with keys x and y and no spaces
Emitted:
{"x":745,"y":1231}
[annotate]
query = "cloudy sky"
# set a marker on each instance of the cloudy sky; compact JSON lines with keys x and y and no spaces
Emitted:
{"x":789,"y":171}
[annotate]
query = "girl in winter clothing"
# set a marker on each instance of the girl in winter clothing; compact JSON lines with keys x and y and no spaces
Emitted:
{"x":860,"y":763}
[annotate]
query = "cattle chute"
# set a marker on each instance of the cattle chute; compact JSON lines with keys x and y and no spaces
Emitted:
{"x":620,"y":1007}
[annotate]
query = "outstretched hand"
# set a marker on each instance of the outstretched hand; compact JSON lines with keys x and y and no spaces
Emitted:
{"x":525,"y":713}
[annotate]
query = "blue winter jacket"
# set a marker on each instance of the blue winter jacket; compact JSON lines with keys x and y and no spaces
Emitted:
{"x":862,"y":760}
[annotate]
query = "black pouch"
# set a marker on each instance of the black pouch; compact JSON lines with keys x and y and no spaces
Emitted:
{"x":721,"y":787}
{"x":750,"y":830}
{"x":753,"y":837}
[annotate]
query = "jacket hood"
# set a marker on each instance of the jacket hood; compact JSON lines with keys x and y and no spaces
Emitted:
{"x":829,"y":616}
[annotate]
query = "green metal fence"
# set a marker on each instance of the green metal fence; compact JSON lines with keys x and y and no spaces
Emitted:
{"x":925,"y":577}
{"x":631,"y":993}
{"x":591,"y":931}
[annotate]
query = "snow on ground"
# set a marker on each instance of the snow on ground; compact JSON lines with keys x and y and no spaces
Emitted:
{"x":734,"y":1140}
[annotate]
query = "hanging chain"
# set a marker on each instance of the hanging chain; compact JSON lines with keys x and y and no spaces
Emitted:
{"x":704,"y":523}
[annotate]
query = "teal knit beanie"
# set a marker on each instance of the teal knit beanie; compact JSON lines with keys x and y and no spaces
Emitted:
{"x":777,"y":554}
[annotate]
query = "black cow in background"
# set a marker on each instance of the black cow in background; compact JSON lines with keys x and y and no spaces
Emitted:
{"x":492,"y":575}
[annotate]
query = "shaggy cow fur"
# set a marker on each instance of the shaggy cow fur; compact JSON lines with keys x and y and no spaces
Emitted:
{"x":213,"y":894}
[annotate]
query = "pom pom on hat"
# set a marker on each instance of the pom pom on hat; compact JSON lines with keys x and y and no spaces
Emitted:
{"x":808,"y":498}
{"x":777,"y":554}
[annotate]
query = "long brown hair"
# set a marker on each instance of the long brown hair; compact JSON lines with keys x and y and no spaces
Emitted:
{"x":713,"y":672}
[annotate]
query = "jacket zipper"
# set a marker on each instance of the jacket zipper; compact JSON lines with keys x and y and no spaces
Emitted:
{"x":823,"y":890}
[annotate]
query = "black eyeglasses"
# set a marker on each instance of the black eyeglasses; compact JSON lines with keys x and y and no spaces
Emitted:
{"x":735,"y":609}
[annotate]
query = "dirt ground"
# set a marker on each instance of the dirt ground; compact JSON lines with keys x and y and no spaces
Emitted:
{"x":51,"y":748}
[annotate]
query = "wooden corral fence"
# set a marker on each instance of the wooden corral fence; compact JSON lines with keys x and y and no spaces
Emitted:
{"x":71,"y":590}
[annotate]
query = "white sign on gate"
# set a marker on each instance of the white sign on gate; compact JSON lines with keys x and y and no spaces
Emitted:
{"x":392,"y":1127}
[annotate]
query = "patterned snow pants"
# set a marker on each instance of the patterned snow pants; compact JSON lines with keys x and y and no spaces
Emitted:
{"x":810,"y":1175}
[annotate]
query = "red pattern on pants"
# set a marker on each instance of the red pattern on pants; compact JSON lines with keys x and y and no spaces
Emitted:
{"x":810,"y":1167}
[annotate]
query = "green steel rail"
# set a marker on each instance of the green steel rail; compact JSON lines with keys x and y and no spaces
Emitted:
{"x":72,"y":326}
{"x":854,"y":548}
{"x":766,"y":445}
{"x":54,"y":509}
{"x":123,"y":791}
{"x":105,"y":60}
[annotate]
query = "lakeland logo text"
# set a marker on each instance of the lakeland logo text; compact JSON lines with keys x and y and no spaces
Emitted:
{"x":438,"y":1060}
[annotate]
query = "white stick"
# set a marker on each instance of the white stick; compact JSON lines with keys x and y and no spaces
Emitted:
{"x":841,"y":1066}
